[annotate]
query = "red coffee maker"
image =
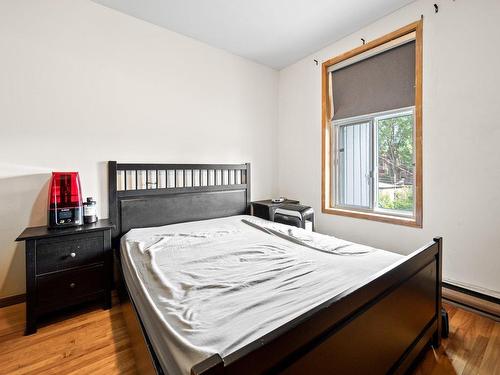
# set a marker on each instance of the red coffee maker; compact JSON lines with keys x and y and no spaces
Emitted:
{"x":65,"y":200}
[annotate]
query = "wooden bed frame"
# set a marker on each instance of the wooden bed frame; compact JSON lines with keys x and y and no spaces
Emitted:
{"x":382,"y":325}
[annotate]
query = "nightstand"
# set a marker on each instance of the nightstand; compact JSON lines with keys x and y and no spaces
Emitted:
{"x":263,"y":208}
{"x":66,"y":267}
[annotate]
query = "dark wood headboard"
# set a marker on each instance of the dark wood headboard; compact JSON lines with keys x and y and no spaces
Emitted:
{"x":148,"y":195}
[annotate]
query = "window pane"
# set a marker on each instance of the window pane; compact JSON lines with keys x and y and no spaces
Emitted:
{"x":354,"y":165}
{"x":395,"y":189}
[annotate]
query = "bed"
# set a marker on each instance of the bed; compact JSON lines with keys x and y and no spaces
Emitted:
{"x":207,"y":289}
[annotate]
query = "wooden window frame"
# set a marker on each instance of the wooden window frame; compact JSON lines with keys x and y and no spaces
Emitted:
{"x":327,"y":204}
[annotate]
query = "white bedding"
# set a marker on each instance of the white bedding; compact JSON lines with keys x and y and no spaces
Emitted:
{"x":213,"y":286}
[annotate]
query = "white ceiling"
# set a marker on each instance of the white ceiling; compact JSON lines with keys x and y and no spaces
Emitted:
{"x":275,"y":33}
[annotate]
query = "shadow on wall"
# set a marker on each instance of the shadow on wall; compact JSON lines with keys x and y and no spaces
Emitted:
{"x":23,"y":202}
{"x":103,"y":189}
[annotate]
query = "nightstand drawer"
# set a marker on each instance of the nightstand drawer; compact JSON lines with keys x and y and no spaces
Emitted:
{"x":64,"y":288}
{"x":74,"y":251}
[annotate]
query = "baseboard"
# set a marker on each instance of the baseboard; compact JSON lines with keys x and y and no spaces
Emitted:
{"x":12,"y":300}
{"x":470,"y":292}
{"x":472,"y":288}
{"x":473,"y":300}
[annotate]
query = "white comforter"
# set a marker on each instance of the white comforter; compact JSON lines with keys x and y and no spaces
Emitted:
{"x":213,"y":286}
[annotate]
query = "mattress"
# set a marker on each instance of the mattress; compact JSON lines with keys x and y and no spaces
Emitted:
{"x":214,"y":286}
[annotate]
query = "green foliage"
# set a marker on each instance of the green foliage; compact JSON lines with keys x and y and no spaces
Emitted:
{"x":395,"y":146}
{"x":403,"y":199}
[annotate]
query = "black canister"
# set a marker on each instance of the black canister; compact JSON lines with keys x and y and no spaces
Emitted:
{"x":90,"y":211}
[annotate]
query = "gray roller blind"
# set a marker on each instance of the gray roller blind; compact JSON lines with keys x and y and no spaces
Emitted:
{"x":379,"y":83}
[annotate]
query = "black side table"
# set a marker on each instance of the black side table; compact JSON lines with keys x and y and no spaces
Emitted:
{"x":65,"y":267}
{"x":263,"y":208}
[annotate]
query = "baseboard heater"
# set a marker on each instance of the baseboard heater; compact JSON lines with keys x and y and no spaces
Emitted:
{"x":479,"y":302}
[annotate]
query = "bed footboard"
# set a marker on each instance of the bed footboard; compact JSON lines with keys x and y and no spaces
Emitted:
{"x":378,"y":327}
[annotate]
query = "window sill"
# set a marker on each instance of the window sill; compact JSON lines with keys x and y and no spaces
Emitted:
{"x":390,"y":219}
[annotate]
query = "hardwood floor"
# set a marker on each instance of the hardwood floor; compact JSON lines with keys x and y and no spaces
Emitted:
{"x":473,"y":347}
{"x":96,"y":342}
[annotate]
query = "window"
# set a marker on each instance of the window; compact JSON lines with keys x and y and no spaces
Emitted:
{"x":374,"y":162}
{"x":372,"y":130}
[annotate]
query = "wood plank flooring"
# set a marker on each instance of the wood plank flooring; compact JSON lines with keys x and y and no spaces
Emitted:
{"x":96,"y":342}
{"x":473,"y":347}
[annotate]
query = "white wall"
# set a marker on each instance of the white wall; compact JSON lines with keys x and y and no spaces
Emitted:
{"x":461,"y":141}
{"x":81,"y":84}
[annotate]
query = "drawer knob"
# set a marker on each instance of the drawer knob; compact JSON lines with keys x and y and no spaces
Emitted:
{"x":72,"y":255}
{"x":72,"y":285}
